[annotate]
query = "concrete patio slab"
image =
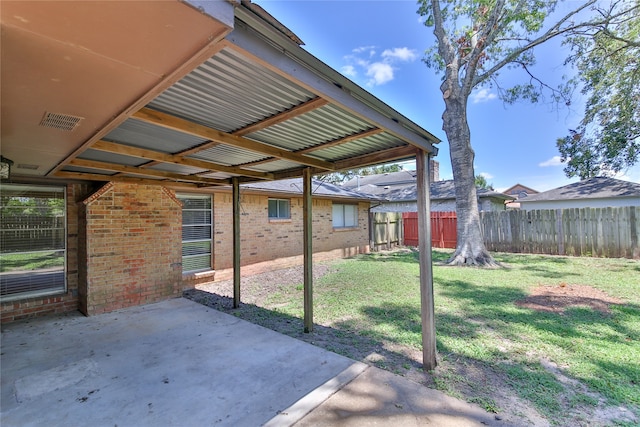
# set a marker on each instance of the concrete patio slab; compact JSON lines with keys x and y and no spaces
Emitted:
{"x":178,"y":363}
{"x":175,"y":363}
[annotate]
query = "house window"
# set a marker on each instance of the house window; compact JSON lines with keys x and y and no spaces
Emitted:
{"x":345,"y":215}
{"x":279,"y":209}
{"x":197,"y":232}
{"x":32,"y":241}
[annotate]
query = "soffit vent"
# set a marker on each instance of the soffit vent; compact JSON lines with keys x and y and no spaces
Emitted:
{"x":27,"y":166}
{"x":60,"y":121}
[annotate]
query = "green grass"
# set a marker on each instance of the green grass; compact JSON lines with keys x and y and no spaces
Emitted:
{"x":31,"y":261}
{"x":478,"y":323}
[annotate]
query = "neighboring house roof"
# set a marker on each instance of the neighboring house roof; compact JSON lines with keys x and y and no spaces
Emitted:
{"x":518,"y":189}
{"x":593,"y":188}
{"x":439,"y":190}
{"x":294,"y":186}
{"x":391,"y":178}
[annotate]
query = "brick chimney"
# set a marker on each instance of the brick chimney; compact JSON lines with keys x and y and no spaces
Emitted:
{"x":434,"y":171}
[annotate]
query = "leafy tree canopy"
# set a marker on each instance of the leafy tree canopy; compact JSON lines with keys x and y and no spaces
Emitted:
{"x":481,"y":182}
{"x":607,"y":59}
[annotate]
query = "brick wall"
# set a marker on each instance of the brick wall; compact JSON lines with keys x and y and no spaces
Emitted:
{"x":271,"y":244}
{"x":133,"y":250}
{"x":124,"y":246}
{"x":59,"y":303}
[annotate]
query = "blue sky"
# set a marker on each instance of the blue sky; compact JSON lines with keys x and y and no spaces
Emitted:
{"x":380,"y":45}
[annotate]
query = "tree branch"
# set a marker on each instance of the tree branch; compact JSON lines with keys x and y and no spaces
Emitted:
{"x":631,"y":43}
{"x":485,"y":37}
{"x":446,"y":49}
{"x":541,"y":83}
{"x":554,"y":31}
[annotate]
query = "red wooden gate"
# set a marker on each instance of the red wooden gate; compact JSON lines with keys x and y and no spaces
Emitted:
{"x":443,"y":229}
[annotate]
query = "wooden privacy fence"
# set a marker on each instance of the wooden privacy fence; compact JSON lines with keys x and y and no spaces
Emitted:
{"x":604,"y":232}
{"x":410,"y":225}
{"x":443,"y":229}
{"x":388,"y":229}
{"x":385,"y":229}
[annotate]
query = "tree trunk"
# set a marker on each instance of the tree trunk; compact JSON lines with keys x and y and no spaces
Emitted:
{"x":470,"y":249}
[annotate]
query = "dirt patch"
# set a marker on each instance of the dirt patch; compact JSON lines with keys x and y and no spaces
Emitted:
{"x":258,"y":288}
{"x":558,"y":298}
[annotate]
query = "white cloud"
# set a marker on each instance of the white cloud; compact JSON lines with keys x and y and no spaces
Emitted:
{"x":361,"y":62}
{"x":403,"y":54}
{"x":380,"y":73}
{"x":554,"y":161}
{"x":486,"y":175}
{"x":349,"y":70}
{"x":379,"y":68}
{"x":483,"y":95}
{"x":371,"y":50}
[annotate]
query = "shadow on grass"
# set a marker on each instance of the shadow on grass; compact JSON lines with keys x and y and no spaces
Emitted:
{"x":408,"y":255}
{"x":526,"y":259}
{"x":440,"y":257}
{"x":496,"y":306}
{"x":546,"y":273}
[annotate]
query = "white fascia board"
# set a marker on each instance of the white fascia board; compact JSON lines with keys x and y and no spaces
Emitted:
{"x":221,"y":10}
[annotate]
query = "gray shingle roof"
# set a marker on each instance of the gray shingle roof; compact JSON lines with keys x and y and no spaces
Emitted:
{"x":294,"y":186}
{"x":593,"y":188}
{"x":440,"y":190}
{"x":391,"y":178}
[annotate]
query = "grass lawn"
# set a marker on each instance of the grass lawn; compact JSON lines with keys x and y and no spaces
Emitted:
{"x":563,"y":363}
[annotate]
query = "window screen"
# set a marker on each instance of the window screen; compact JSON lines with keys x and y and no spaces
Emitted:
{"x":345,"y":215}
{"x":197,"y":231}
{"x":32,"y":240}
{"x":279,"y":209}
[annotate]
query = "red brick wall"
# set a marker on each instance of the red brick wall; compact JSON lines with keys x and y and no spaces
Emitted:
{"x":60,"y":303}
{"x":133,"y":250}
{"x":275,"y":244}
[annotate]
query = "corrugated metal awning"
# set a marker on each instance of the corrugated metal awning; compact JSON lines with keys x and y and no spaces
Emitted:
{"x":261,"y":108}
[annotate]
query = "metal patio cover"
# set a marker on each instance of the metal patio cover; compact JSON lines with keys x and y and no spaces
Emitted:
{"x":182,"y":95}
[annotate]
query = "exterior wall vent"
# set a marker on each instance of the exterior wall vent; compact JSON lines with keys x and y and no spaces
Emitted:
{"x":60,"y":121}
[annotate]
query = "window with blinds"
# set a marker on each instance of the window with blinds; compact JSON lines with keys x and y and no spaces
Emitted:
{"x":279,"y":209}
{"x":344,"y":216}
{"x":32,"y":241}
{"x":197,"y":232}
